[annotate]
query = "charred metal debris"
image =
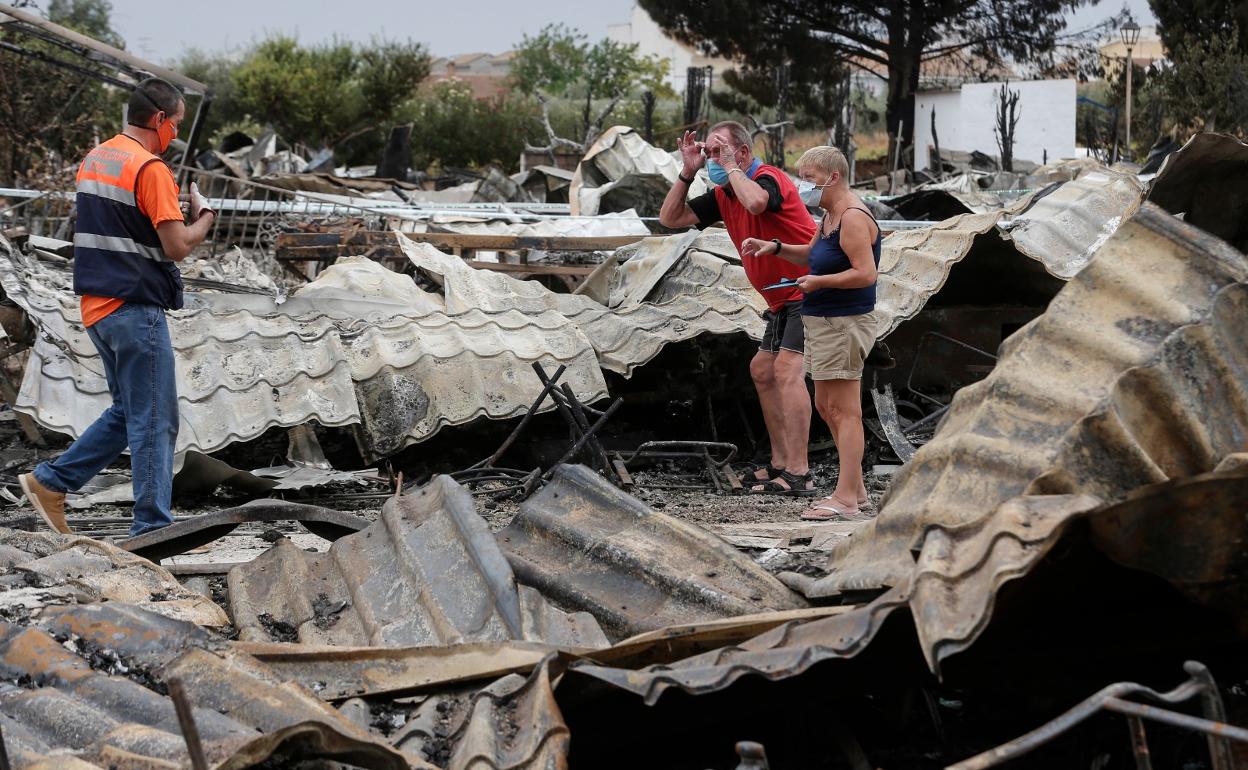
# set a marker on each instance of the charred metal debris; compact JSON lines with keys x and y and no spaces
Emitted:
{"x":459,"y":484}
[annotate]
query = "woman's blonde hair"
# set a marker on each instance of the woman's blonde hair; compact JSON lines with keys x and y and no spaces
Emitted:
{"x":826,"y":159}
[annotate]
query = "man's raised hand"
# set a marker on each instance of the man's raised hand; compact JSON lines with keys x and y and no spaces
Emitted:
{"x":691,"y":153}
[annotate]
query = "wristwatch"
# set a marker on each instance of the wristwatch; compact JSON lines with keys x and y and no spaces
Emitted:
{"x":779,"y":246}
{"x":688,"y":181}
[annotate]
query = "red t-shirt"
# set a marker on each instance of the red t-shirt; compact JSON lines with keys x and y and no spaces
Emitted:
{"x":786,"y":218}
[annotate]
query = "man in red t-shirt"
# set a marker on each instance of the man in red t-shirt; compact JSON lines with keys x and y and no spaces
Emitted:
{"x":755,"y":200}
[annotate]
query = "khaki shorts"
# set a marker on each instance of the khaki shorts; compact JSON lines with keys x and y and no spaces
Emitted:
{"x":837,"y":346}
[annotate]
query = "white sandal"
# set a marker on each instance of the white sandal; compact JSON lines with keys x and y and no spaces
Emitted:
{"x":830,"y":509}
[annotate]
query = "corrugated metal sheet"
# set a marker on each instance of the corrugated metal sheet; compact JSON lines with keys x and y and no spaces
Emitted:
{"x":783,"y":652}
{"x":339,"y":673}
{"x":1206,"y":181}
{"x":1134,"y":375}
{"x":613,"y":223}
{"x":1059,"y":228}
{"x":691,"y":292}
{"x":621,"y":162}
{"x":40,"y":569}
{"x":223,"y":351}
{"x":513,"y":723}
{"x":960,"y":569}
{"x":1064,"y":227}
{"x":914,"y":265}
{"x":428,"y":572}
{"x":588,"y":546}
{"x":403,"y":370}
{"x":97,"y":698}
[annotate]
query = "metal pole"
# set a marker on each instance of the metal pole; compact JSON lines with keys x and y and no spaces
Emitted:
{"x":197,"y":128}
{"x":1165,"y":716}
{"x":186,"y":720}
{"x":585,"y":437}
{"x":1129,"y":68}
{"x":1139,"y":744}
{"x":1212,"y":708}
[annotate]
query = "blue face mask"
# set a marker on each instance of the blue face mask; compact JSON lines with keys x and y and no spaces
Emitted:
{"x":719,"y":175}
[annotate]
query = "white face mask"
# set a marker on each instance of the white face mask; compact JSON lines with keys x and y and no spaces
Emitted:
{"x":810,"y":193}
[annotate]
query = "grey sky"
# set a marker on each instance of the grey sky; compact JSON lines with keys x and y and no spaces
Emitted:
{"x":157,"y":30}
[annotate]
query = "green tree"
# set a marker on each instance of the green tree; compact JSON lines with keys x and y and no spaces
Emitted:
{"x":892,"y":36}
{"x":560,"y":62}
{"x":50,"y":116}
{"x":329,"y":94}
{"x":216,"y":71}
{"x":452,"y":128}
{"x":90,"y":17}
{"x":1178,"y":20}
{"x":1205,"y":86}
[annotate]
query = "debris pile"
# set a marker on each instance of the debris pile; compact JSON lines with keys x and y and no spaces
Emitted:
{"x":1061,"y":442}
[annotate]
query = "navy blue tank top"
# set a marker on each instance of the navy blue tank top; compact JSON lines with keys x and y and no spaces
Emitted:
{"x":827,"y":258}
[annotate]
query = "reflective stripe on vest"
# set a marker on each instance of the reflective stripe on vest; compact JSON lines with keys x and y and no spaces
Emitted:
{"x":117,"y":251}
{"x":105,"y":190}
{"x":117,"y":243}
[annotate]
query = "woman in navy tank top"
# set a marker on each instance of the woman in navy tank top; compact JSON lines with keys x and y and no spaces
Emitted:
{"x":843,"y":257}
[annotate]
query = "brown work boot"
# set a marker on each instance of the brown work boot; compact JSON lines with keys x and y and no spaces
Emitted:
{"x":50,"y":505}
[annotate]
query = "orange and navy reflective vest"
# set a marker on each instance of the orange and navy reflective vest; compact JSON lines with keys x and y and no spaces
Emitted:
{"x":117,"y":252}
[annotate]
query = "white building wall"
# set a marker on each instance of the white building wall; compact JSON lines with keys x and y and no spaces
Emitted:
{"x":1046,"y":123}
{"x":948,"y":119}
{"x":650,"y":40}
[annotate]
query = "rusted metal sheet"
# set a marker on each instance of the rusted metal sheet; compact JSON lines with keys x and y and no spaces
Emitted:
{"x":1206,"y":182}
{"x":512,"y":723}
{"x":182,"y":536}
{"x":336,"y":673}
{"x":960,"y":569}
{"x":1192,"y":532}
{"x":428,"y":572}
{"x":1131,"y":377}
{"x":588,"y":546}
{"x":95,"y":693}
{"x":42,"y":569}
{"x":1189,"y":531}
{"x":785,"y":651}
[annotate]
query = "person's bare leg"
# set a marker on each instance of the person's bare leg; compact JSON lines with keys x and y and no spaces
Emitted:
{"x":790,"y":376}
{"x":762,"y":370}
{"x":843,"y":405}
{"x":826,"y":406}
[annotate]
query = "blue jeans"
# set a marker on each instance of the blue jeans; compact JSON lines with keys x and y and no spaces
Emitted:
{"x":134,"y":345}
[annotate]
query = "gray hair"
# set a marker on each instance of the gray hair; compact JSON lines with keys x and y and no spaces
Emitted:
{"x":739,"y":133}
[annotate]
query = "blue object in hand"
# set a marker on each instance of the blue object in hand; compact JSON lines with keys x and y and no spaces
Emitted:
{"x":786,"y":283}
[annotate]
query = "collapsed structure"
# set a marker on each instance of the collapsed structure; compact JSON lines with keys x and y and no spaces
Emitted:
{"x":1082,"y":478}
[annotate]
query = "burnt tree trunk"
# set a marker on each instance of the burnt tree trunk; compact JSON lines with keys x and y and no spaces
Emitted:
{"x":396,"y":156}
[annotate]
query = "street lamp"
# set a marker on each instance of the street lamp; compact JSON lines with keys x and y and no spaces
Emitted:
{"x":1130,"y":33}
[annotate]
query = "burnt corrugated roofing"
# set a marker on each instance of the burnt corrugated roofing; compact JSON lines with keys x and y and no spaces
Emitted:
{"x":1206,"y":181}
{"x":246,"y":364}
{"x":1133,"y":375}
{"x":586,"y":545}
{"x":689,"y":291}
{"x":428,"y":572}
{"x":1059,"y":227}
{"x":94,"y":694}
